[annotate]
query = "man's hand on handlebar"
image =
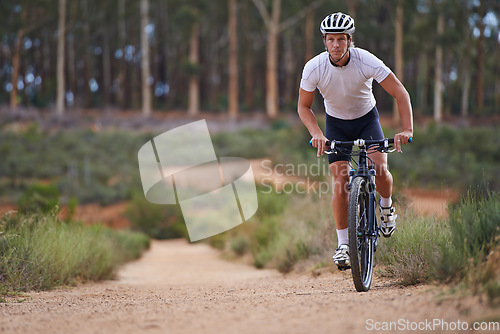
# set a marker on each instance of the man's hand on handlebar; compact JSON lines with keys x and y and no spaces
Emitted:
{"x":319,"y":141}
{"x":401,"y":139}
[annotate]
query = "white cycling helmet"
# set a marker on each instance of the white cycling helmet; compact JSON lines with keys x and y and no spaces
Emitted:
{"x":337,"y":23}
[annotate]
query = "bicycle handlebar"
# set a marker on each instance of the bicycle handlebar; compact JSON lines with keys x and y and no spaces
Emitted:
{"x":382,"y":143}
{"x":362,"y":142}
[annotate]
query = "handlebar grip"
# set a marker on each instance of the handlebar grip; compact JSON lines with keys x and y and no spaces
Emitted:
{"x":327,"y":143}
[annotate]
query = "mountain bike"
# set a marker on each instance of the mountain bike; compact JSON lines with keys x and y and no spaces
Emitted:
{"x":363,"y":229}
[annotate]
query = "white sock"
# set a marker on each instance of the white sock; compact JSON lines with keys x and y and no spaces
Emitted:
{"x":385,"y":202}
{"x":343,"y":237}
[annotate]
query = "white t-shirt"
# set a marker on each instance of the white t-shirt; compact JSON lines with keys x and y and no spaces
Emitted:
{"x":347,"y":90}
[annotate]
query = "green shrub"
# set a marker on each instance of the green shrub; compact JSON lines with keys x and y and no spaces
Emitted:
{"x":493,"y":292}
{"x":465,"y":248}
{"x":39,"y":252}
{"x":286,"y":230}
{"x":466,"y":157}
{"x":101,"y":167}
{"x":240,"y":245}
{"x":474,"y":225}
{"x":97,"y":167}
{"x":157,"y":221}
{"x":409,"y":254}
{"x":39,"y":198}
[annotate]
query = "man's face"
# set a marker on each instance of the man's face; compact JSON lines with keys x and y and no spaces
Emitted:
{"x":336,"y":44}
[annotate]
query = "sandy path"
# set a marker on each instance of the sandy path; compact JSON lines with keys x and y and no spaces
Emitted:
{"x":181,"y":288}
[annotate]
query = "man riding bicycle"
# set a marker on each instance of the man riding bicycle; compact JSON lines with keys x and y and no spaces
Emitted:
{"x":344,"y":75}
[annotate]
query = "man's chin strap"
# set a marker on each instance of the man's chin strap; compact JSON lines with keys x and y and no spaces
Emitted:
{"x":336,"y":61}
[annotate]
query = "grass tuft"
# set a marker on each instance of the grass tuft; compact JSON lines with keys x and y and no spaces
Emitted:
{"x":39,"y":252}
{"x":465,"y":248}
{"x":408,"y":255}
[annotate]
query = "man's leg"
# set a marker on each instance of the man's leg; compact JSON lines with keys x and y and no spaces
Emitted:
{"x":340,"y":173}
{"x":384,"y":183}
{"x":384,"y":177}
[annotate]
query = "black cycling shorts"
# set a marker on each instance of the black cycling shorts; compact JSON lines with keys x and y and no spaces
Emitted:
{"x":366,"y":127}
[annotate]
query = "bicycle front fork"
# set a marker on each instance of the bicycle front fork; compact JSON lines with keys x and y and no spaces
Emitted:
{"x":372,"y":230}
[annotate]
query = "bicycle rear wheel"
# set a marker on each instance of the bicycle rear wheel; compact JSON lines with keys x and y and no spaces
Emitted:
{"x":360,"y":243}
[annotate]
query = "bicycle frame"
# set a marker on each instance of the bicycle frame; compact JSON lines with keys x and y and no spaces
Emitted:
{"x":363,"y":227}
{"x":365,"y":172}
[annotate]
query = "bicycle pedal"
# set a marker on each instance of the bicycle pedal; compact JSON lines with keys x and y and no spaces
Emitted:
{"x":343,"y":268}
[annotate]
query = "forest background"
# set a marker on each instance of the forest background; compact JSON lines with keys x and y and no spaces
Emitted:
{"x":238,"y":56}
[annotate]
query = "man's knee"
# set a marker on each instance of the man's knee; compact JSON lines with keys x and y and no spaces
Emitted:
{"x":341,"y":186}
{"x":382,"y":170}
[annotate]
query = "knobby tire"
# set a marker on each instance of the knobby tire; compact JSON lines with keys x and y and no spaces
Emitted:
{"x":360,"y":244}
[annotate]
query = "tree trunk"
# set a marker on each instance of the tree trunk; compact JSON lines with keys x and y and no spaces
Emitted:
{"x":165,"y":50}
{"x":106,"y":69}
{"x":289,"y":60}
{"x":71,"y":63}
{"x":422,"y":80}
{"x":133,"y":81}
{"x":157,"y":51}
{"x":15,"y":67}
{"x":309,"y":37}
{"x":465,"y":92}
{"x":274,"y":27}
{"x":87,"y":60}
{"x":497,"y":76}
{"x":272,"y":61}
{"x":233,"y":60}
{"x":122,"y":64}
{"x":480,"y":58}
{"x":46,"y":57}
{"x":249,"y":81}
{"x":194,"y":80}
{"x":60,"y":97}
{"x":249,"y":61}
{"x":46,"y":51}
{"x":398,"y":55}
{"x":438,"y":83}
{"x":145,"y":71}
{"x":16,"y":58}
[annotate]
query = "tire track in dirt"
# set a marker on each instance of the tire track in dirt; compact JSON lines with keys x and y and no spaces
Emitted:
{"x":177,"y":287}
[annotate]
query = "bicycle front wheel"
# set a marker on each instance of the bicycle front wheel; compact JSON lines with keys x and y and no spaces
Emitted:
{"x":360,"y":242}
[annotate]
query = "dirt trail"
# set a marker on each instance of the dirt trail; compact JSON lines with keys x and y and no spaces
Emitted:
{"x":182,"y":288}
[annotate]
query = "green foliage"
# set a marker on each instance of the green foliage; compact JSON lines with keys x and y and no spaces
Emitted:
{"x":102,"y":167}
{"x":442,"y":156}
{"x":474,"y":226}
{"x":72,"y":205}
{"x":91,"y":167}
{"x":245,"y":143}
{"x":157,"y":221}
{"x":39,"y":198}
{"x":285,"y":230}
{"x":410,"y":252}
{"x":464,"y":248}
{"x":39,"y":252}
{"x":239,"y":245}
